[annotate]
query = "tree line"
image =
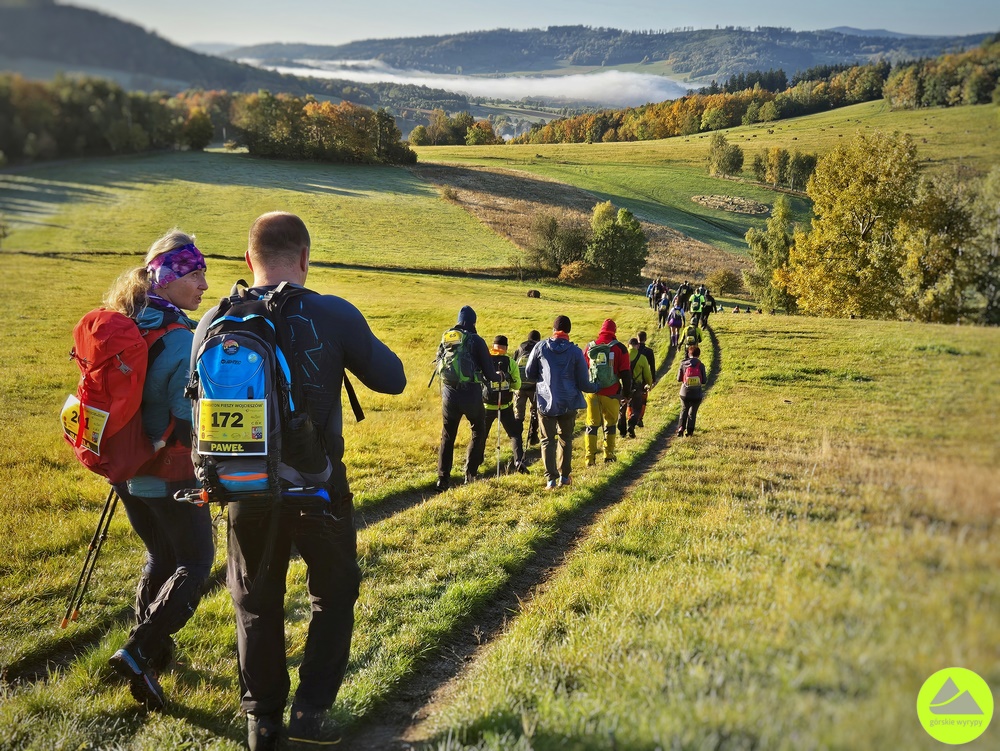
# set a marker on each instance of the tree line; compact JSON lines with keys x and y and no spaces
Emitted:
{"x":885,"y":241}
{"x":73,"y":117}
{"x":696,"y":113}
{"x":966,"y":78}
{"x":971,"y":77}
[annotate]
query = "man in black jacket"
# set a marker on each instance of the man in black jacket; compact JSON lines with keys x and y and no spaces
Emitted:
{"x":463,"y":362}
{"x":650,"y":356}
{"x":526,"y":395}
{"x":329,"y":336}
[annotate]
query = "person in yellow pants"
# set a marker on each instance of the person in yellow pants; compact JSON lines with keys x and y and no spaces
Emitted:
{"x":609,"y":366}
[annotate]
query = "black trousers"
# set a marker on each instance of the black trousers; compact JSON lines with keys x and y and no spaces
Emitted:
{"x":511,"y":427}
{"x":457,"y":403}
{"x":323,"y":534}
{"x":689,"y":412}
{"x":527,"y":398}
{"x":179,"y":551}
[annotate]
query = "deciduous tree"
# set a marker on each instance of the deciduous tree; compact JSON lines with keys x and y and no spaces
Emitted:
{"x":849,"y":263}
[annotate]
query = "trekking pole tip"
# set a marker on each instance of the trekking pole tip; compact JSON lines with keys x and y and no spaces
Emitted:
{"x":65,"y":623}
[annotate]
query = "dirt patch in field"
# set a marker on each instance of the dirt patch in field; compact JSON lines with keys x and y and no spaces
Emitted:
{"x":735,"y":204}
{"x":507,"y":201}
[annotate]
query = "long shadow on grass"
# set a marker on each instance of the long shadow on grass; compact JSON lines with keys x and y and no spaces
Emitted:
{"x":385,"y":726}
{"x":37,"y":664}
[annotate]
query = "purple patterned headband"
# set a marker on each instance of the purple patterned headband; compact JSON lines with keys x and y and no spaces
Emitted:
{"x":174,"y":264}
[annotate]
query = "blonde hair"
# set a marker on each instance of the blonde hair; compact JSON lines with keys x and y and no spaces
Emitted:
{"x":130,"y":292}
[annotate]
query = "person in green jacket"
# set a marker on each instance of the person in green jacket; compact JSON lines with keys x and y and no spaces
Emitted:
{"x":498,"y":398}
{"x":630,"y":413}
{"x":691,"y":336}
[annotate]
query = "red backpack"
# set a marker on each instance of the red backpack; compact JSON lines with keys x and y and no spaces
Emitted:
{"x":692,"y":375}
{"x":113,"y":355}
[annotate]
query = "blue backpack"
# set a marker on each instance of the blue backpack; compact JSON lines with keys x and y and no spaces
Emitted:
{"x":253,"y":434}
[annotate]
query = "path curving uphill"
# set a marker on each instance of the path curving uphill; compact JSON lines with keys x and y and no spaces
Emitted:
{"x":401,"y":721}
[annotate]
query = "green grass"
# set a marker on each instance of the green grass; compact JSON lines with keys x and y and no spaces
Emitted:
{"x":357,"y":215}
{"x":790,"y":576}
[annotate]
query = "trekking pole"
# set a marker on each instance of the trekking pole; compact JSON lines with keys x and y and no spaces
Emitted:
{"x":90,"y":562}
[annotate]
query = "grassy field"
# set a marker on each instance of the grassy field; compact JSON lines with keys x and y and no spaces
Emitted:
{"x":789,"y":577}
{"x":371,"y":216}
{"x":656,"y":179}
{"x":785,"y":579}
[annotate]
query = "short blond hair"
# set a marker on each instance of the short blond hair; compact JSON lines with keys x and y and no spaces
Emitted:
{"x":277,"y":238}
{"x":129,"y":293}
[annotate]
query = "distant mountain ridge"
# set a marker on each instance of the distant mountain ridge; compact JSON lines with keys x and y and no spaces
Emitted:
{"x":699,"y":55}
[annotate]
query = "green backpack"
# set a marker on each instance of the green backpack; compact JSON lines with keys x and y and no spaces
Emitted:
{"x":602,"y":364}
{"x":454,"y":361}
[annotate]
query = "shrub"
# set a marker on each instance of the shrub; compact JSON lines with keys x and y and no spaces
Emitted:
{"x":725,"y":281}
{"x":579,"y":272}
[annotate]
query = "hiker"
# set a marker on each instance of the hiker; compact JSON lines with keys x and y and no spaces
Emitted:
{"x":463,"y":362}
{"x":526,"y":395}
{"x":662,"y":310}
{"x":560,"y":373}
{"x":651,"y":292}
{"x":736,"y":309}
{"x":499,"y":402}
{"x":709,"y":308}
{"x":329,"y":336}
{"x":698,"y":303}
{"x":692,"y":335}
{"x":675,"y":320}
{"x":630,"y":410}
{"x":650,"y":356}
{"x":683,"y":295}
{"x":178,"y":537}
{"x":692,"y":377}
{"x":610,"y":367}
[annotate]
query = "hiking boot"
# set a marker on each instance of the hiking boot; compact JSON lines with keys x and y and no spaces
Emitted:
{"x":311,"y":728}
{"x":631,"y":432}
{"x":564,"y":481}
{"x":680,"y":432}
{"x":130,"y":663}
{"x":441,"y":485}
{"x":263,"y":731}
{"x":470,"y":477}
{"x":610,"y":459}
{"x":639,"y":425}
{"x":523,"y":468}
{"x":551,"y":485}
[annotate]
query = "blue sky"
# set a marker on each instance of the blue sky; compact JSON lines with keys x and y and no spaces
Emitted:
{"x":339,"y":21}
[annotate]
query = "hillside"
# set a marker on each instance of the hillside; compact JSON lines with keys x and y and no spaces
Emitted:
{"x":39,"y":39}
{"x":701,"y":54}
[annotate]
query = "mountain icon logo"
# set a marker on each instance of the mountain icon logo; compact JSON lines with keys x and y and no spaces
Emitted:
{"x":951,"y":700}
{"x":955,"y":706}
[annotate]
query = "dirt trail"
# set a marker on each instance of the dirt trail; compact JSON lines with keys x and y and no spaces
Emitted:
{"x":401,"y":721}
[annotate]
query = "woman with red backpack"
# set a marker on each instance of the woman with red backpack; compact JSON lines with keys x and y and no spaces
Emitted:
{"x":178,"y":536}
{"x":692,"y":377}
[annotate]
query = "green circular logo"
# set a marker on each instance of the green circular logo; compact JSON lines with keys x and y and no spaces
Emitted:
{"x":955,"y":706}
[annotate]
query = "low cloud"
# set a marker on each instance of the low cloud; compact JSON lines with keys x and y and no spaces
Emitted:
{"x":610,"y":88}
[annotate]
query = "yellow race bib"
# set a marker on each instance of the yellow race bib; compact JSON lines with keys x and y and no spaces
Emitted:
{"x":232,"y":427}
{"x":93,"y":424}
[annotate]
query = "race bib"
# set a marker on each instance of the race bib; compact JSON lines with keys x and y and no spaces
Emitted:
{"x":692,"y":381}
{"x":94,"y":421}
{"x":232,"y":427}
